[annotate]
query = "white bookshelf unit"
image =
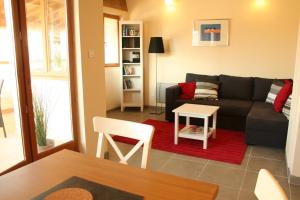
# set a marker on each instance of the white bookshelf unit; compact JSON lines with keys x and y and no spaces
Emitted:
{"x":131,"y":64}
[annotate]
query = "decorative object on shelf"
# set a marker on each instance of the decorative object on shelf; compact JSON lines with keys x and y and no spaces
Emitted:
{"x":211,"y":32}
{"x":128,"y":70}
{"x":156,"y":46}
{"x":136,"y":57}
{"x":132,"y":32}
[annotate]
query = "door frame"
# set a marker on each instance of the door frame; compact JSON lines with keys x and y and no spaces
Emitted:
{"x":20,"y":70}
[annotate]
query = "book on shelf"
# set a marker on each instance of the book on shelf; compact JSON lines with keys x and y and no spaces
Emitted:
{"x":128,"y":84}
{"x":124,"y":85}
{"x":130,"y":42}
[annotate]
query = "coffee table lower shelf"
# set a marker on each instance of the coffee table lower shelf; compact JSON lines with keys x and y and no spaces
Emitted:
{"x":195,"y":132}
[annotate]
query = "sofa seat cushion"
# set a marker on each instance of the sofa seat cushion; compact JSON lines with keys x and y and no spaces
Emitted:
{"x":228,"y":107}
{"x":263,"y":117}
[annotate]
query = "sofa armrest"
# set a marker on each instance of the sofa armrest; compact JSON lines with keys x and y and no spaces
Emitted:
{"x":172,"y":93}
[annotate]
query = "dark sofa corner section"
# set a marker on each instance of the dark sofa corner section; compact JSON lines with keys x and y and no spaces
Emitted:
{"x":242,"y":107}
{"x":265,"y":126}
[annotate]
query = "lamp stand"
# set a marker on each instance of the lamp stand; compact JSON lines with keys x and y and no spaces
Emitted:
{"x":156,"y":111}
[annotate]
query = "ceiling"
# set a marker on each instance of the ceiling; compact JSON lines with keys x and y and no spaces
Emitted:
{"x":2,"y":19}
{"x":55,"y":9}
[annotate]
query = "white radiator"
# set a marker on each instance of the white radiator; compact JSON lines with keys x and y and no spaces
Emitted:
{"x":162,"y":91}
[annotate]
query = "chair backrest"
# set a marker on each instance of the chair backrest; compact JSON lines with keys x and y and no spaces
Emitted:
{"x":267,"y":187}
{"x":107,"y":127}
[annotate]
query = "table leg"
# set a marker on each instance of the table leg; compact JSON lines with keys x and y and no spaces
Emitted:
{"x":187,"y":121}
{"x":176,"y":128}
{"x":214,"y":125}
{"x":205,"y":133}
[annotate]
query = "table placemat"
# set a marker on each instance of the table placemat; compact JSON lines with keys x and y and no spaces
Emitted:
{"x":99,"y":192}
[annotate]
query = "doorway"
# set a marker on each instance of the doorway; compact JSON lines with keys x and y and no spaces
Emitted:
{"x":37,"y":105}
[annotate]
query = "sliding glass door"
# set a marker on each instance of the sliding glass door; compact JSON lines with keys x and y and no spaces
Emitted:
{"x":36,"y":104}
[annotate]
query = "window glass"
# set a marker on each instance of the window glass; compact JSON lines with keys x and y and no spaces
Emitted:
{"x":47,"y":25}
{"x":57,"y":36}
{"x":36,"y":33}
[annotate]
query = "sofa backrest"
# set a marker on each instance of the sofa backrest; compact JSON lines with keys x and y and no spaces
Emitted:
{"x":200,"y":78}
{"x":261,"y":88}
{"x":233,"y":87}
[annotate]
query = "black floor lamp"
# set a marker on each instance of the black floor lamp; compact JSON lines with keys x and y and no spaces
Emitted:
{"x":156,"y":46}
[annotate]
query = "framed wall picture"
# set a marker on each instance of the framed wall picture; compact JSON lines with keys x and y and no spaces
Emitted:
{"x":211,"y":32}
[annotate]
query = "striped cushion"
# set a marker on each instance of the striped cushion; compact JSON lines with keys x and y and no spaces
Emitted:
{"x":275,"y":88}
{"x":287,"y":107}
{"x":206,"y":90}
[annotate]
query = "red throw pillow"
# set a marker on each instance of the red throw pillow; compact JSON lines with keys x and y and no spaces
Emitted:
{"x":187,"y":90}
{"x":282,"y":96}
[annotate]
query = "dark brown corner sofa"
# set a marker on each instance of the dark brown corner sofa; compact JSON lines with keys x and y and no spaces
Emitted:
{"x":242,"y":107}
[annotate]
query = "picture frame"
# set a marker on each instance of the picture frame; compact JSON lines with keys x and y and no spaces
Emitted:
{"x":211,"y":32}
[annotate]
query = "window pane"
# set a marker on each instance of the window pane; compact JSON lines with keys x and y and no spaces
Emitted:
{"x":57,"y":35}
{"x":111,"y":41}
{"x":35,"y":35}
{"x":51,"y":92}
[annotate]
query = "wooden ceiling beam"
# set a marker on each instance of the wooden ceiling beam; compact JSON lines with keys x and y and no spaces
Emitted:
{"x":33,"y":10}
{"x":117,"y":4}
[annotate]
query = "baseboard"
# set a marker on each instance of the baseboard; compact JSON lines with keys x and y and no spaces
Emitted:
{"x":112,"y":109}
{"x":294,"y":180}
{"x":145,"y":107}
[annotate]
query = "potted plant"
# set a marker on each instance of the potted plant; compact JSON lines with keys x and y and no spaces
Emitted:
{"x":41,"y":122}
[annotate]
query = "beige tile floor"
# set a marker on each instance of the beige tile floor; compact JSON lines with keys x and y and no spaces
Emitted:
{"x":236,"y":182}
{"x":11,"y":148}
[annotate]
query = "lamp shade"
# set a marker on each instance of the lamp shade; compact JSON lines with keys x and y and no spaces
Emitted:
{"x":156,"y":45}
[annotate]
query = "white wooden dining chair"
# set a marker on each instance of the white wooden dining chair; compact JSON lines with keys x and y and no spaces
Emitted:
{"x":268,"y":188}
{"x":107,"y":127}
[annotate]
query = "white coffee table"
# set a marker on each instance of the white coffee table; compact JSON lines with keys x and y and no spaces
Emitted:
{"x":192,"y":131}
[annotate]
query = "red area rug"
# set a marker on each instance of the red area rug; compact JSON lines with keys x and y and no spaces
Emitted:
{"x":229,"y":146}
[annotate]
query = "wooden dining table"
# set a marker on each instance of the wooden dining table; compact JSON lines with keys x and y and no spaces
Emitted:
{"x":38,"y":177}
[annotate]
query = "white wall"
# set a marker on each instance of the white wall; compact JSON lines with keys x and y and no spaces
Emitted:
{"x":293,"y":140}
{"x":90,"y":70}
{"x":262,"y":39}
{"x":112,"y":87}
{"x":112,"y":74}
